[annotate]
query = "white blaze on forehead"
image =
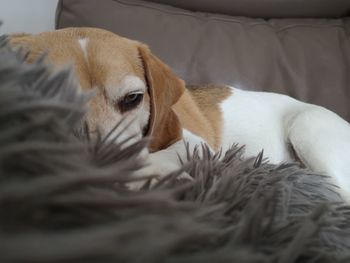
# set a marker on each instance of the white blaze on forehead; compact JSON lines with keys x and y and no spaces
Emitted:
{"x":83,"y":44}
{"x":128,"y":84}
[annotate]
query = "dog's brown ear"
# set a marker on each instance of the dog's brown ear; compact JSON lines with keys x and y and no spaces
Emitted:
{"x":165,"y":89}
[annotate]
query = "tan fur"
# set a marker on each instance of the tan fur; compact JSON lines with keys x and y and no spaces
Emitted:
{"x":105,"y":49}
{"x":109,"y":59}
{"x":199,"y":112}
{"x":165,"y":90}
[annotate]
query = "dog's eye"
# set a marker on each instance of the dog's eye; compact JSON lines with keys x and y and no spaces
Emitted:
{"x":130,"y":101}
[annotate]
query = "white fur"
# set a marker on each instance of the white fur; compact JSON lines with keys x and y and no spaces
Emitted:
{"x":128,"y":84}
{"x":83,"y":42}
{"x":256,"y":120}
{"x":193,"y":140}
{"x":135,"y":119}
{"x":166,"y":161}
{"x":275,"y":123}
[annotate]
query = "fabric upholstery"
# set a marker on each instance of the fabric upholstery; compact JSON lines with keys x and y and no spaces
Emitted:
{"x":308,"y":59}
{"x":266,"y":8}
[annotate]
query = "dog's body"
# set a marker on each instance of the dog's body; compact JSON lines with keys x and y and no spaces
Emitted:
{"x":132,"y":84}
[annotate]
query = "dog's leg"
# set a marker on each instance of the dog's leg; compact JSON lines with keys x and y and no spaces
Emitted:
{"x":160,"y":164}
{"x":321,"y":140}
{"x":164,"y":162}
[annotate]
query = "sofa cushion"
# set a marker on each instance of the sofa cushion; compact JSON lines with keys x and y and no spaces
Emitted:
{"x":308,"y":59}
{"x":266,"y":8}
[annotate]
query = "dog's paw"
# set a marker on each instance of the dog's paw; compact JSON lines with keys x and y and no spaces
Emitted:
{"x":156,"y":169}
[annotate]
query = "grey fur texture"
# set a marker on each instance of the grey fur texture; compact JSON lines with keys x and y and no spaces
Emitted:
{"x":63,"y":196}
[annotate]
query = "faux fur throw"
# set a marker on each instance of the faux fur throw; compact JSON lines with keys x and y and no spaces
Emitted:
{"x":63,"y":196}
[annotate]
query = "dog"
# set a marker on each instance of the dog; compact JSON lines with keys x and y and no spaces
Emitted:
{"x":134,"y":85}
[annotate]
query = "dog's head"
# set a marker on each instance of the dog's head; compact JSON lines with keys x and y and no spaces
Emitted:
{"x":131,"y":83}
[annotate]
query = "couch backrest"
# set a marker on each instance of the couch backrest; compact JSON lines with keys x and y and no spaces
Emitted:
{"x":267,"y":8}
{"x":308,"y":59}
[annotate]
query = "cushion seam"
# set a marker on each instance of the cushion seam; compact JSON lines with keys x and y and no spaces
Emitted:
{"x":232,"y":20}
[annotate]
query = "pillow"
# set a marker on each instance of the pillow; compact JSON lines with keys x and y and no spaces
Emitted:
{"x":308,"y":59}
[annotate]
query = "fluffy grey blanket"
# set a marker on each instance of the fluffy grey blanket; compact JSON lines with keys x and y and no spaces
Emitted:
{"x":63,"y":196}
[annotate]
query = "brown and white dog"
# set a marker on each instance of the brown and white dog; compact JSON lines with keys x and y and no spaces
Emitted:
{"x":133,"y":84}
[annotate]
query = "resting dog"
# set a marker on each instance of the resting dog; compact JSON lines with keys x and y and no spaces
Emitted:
{"x":132,"y":84}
